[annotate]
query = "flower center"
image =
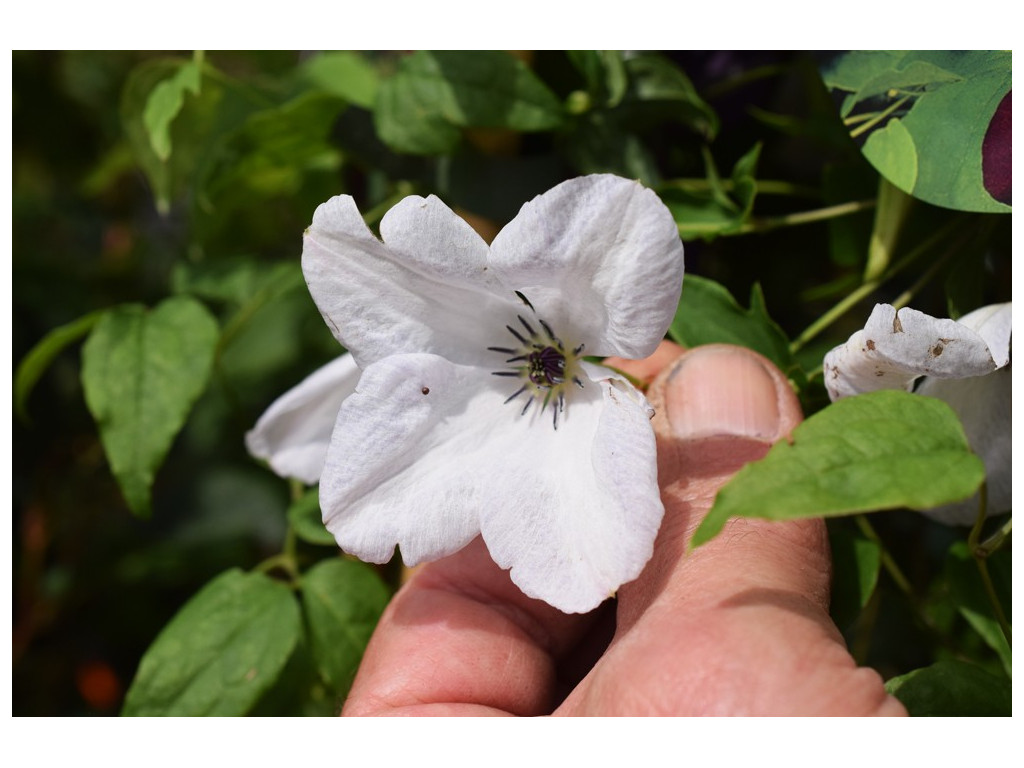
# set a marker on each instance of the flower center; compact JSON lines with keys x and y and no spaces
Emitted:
{"x":543,"y":363}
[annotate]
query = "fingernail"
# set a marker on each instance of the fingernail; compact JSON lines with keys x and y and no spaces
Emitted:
{"x":719,"y":391}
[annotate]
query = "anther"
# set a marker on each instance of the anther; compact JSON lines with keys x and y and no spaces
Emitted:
{"x":516,"y":333}
{"x":526,"y":325}
{"x":551,"y":334}
{"x":514,"y":395}
{"x":525,"y":300}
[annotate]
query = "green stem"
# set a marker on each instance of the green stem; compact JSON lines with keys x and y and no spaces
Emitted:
{"x":907,"y":296}
{"x":282,"y":562}
{"x":898,"y":578}
{"x":993,"y":598}
{"x":805,"y":217}
{"x":893,"y":206}
{"x":722,"y":87}
{"x":888,"y":563}
{"x":853,"y":298}
{"x":995,"y":541}
{"x":764,"y":187}
{"x":980,"y":559}
{"x":287,"y":559}
{"x":878,"y":118}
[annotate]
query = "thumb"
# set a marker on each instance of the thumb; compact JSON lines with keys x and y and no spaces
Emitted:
{"x":739,"y":625}
{"x":719,"y":407}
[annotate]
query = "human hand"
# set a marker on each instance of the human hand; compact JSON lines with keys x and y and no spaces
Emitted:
{"x":739,"y":626}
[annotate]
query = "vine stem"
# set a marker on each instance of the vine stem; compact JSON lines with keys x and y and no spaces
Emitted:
{"x":980,"y":556}
{"x":868,"y":287}
{"x":764,"y":187}
{"x":878,"y":118}
{"x":898,"y":577}
{"x":287,"y":559}
{"x":805,"y":217}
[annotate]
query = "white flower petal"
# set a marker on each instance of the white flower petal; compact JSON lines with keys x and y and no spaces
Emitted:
{"x":600,"y":259}
{"x":573,"y":511}
{"x":292,"y":435}
{"x":894,"y":349}
{"x":994,"y":324}
{"x":983,"y":405}
{"x":576,"y":515}
{"x":424,"y":289}
{"x":397,"y":443}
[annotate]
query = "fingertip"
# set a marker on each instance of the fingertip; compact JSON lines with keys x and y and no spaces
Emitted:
{"x":721,"y":390}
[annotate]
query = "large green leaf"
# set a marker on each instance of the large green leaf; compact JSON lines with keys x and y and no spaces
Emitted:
{"x":141,"y":371}
{"x":343,"y":601}
{"x":953,"y":689}
{"x":879,"y":450}
{"x":345,"y":74}
{"x":934,"y":123}
{"x":269,"y":153}
{"x":423,"y":106}
{"x":221,"y":651}
{"x":708,"y":314}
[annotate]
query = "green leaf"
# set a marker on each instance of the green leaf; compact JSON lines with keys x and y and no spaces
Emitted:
{"x":306,"y":520}
{"x":423,"y":106}
{"x":196,"y":132}
{"x":856,"y":561}
{"x":141,"y":371}
{"x":654,"y":78}
{"x":220,"y":652}
{"x":165,"y":102}
{"x":272,"y":150}
{"x":925,"y":119}
{"x":708,"y":314}
{"x":952,"y":689}
{"x":604,"y":73}
{"x":343,"y":600}
{"x":967,"y":591}
{"x":345,"y":74}
{"x":600,"y":144}
{"x":706,"y":210}
{"x":43,"y":353}
{"x":879,"y":450}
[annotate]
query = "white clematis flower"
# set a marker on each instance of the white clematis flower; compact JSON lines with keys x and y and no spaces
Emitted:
{"x":964,"y":362}
{"x":475,"y":413}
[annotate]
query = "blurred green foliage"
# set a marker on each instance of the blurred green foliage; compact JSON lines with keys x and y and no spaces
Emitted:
{"x":186,"y":180}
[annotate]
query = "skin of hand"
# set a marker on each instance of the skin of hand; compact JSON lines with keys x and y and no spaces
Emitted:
{"x":739,"y":626}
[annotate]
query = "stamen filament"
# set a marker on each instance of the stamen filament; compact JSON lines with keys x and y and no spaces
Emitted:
{"x":514,"y":395}
{"x":515,"y":333}
{"x":526,"y":325}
